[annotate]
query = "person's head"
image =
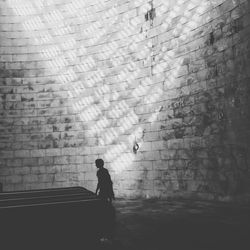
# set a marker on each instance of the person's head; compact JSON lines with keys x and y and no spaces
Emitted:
{"x":99,"y":163}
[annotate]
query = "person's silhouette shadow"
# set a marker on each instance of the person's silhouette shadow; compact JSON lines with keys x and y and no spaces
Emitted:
{"x":104,"y":188}
{"x":108,"y":223}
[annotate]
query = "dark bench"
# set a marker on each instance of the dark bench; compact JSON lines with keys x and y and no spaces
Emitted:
{"x":63,"y":218}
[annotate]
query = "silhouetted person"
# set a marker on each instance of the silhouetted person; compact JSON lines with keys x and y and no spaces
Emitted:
{"x":106,"y":193}
{"x":105,"y":184}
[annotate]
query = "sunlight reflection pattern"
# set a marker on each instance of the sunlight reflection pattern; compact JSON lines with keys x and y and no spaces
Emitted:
{"x":79,"y":71}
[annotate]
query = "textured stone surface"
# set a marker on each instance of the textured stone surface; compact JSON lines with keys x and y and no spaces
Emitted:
{"x":160,"y":224}
{"x":87,"y":79}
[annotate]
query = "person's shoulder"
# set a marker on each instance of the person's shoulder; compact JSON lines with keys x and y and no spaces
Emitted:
{"x":102,"y":170}
{"x":105,"y":170}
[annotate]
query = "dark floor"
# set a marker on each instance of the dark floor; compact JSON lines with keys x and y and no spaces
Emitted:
{"x":180,"y":224}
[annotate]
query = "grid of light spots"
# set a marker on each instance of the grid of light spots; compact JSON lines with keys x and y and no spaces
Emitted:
{"x":70,"y":61}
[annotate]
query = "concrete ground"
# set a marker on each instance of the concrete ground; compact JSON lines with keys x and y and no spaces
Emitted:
{"x":179,"y":225}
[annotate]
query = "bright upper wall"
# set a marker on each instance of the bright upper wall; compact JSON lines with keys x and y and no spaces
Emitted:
{"x":86,"y":79}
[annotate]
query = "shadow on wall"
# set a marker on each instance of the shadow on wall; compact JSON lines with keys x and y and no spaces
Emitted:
{"x":221,"y":108}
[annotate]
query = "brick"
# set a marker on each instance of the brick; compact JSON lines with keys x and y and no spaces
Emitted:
{"x":53,"y":152}
{"x":6,"y":154}
{"x":43,"y":178}
{"x":37,"y":153}
{"x":62,"y":177}
{"x":22,"y":153}
{"x":151,"y":136}
{"x":38,"y":170}
{"x":30,"y":178}
{"x":30,"y":162}
{"x":69,"y":151}
{"x":151,"y":155}
{"x":76,"y":159}
{"x":14,"y":179}
{"x":157,"y":145}
{"x":145,"y":146}
{"x":21,"y":170}
{"x":47,"y":160}
{"x":61,"y":160}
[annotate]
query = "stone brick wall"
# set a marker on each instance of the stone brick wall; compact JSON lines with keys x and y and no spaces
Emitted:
{"x":87,"y":79}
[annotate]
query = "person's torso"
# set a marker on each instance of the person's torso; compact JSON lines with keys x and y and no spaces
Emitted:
{"x":103,"y":177}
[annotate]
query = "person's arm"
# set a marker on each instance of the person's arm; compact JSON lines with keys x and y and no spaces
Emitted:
{"x":97,"y":188}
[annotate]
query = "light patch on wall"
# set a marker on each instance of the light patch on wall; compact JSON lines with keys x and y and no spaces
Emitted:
{"x":82,"y":102}
{"x":110,"y":135}
{"x":97,"y":35}
{"x":145,"y":7}
{"x":126,"y":32}
{"x":93,"y":77}
{"x":86,"y":65}
{"x":70,"y":75}
{"x":74,"y":6}
{"x":53,"y":17}
{"x":22,"y":7}
{"x":108,"y":50}
{"x":67,"y":50}
{"x":82,"y":50}
{"x":38,"y":4}
{"x":68,"y":44}
{"x":110,"y":13}
{"x":130,"y":119}
{"x":42,"y":37}
{"x":137,"y":133}
{"x":101,"y":91}
{"x":57,"y":64}
{"x":118,"y":109}
{"x":99,"y":126}
{"x":122,"y":162}
{"x":115,"y":151}
{"x":90,"y":113}
{"x":34,"y":24}
{"x":154,"y":96}
{"x":71,"y":56}
{"x":155,"y":114}
{"x":140,"y":91}
{"x":50,"y":52}
{"x":62,"y":30}
{"x":105,"y":103}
